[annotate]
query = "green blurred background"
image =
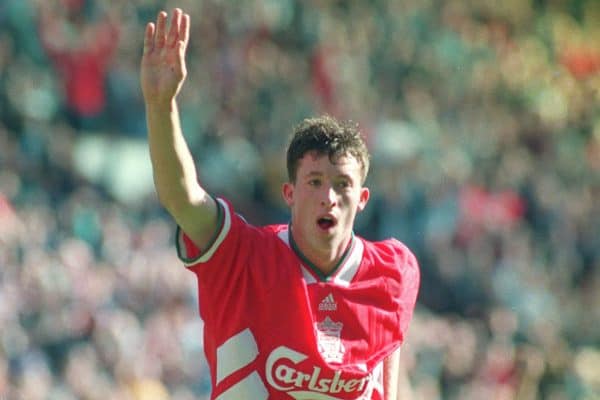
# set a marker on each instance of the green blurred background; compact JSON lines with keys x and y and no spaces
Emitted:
{"x":483,"y":118}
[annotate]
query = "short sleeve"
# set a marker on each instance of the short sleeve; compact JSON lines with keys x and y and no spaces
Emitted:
{"x":189,"y":253}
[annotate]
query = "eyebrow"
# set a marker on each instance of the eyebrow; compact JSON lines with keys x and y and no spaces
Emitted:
{"x":312,"y":174}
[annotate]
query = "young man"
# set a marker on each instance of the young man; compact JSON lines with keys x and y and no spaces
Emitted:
{"x":299,"y":311}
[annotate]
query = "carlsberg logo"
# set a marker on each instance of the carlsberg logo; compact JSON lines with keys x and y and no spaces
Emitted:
{"x":283,"y":376}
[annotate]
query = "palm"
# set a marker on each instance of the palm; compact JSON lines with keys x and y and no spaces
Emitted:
{"x":163,"y":63}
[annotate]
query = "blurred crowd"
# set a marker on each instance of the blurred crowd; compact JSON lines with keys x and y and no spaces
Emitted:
{"x":483,"y":119}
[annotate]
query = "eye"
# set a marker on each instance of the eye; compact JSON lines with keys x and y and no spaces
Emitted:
{"x":314,"y":182}
{"x":343,"y":184}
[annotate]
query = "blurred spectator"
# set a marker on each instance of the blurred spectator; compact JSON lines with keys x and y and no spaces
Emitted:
{"x":484,"y":126}
{"x":80,"y":44}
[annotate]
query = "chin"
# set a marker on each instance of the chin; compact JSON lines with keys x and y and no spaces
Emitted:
{"x":332,"y":236}
{"x":324,"y":234}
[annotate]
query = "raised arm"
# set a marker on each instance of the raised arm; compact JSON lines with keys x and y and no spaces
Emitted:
{"x":162,"y":73}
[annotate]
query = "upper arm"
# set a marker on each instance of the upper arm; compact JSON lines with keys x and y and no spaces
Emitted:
{"x":199,"y":220}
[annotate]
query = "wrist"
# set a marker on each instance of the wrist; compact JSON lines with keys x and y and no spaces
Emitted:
{"x":157,"y":105}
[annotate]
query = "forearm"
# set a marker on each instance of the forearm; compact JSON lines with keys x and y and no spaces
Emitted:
{"x":162,"y":73}
{"x":396,"y":382}
{"x":174,"y":170}
{"x":391,"y":370}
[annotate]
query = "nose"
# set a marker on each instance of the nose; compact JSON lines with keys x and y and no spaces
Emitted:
{"x":329,"y":197}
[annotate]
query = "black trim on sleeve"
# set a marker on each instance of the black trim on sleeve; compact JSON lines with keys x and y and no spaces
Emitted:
{"x":180,"y":245}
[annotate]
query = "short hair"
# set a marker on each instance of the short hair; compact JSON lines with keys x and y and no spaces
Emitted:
{"x":326,"y":135}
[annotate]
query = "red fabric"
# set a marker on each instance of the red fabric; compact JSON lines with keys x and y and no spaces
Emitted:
{"x":84,"y":82}
{"x":255,"y":282}
{"x":83,"y":68}
{"x":581,"y":62}
{"x":482,"y":210}
{"x":322,"y":81}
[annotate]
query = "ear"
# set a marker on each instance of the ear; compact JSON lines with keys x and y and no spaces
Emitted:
{"x":364,"y":198}
{"x":287,"y":191}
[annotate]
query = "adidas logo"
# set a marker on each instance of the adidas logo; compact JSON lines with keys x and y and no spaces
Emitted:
{"x":328,"y":304}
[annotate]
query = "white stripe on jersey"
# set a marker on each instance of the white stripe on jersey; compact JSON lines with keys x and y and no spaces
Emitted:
{"x":347,"y":271}
{"x":224,"y":231}
{"x":344,"y":276}
{"x":251,"y":387}
{"x":237,"y":352}
{"x":284,"y":235}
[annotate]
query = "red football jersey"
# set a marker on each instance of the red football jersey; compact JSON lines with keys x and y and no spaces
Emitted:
{"x":277,"y":328}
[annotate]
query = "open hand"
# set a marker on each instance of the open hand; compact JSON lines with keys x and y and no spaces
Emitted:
{"x":163,"y":67}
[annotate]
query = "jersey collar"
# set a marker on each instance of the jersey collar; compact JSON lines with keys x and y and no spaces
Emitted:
{"x":342,"y":274}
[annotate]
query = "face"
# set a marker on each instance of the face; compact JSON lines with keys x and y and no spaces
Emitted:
{"x":324,"y":201}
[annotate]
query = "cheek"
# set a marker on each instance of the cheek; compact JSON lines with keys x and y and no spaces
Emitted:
{"x":301,"y":204}
{"x":353,"y":204}
{"x":352,"y":199}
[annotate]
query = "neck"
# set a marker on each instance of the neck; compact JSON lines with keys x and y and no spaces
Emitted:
{"x":324,"y":259}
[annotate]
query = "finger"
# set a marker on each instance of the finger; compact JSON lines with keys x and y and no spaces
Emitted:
{"x":174,"y":29}
{"x":161,"y":24}
{"x":149,"y":38}
{"x":184,"y":30}
{"x":181,"y":55}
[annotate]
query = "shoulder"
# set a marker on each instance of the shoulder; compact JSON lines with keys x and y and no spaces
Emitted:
{"x":236,"y":221}
{"x":393,"y":260}
{"x":275,"y":229}
{"x":390,"y":252}
{"x":234,"y":235}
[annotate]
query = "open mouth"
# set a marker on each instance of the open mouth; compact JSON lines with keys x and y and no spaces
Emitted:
{"x":326,"y":223}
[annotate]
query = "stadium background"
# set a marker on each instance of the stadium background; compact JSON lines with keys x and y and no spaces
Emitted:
{"x":483,"y":118}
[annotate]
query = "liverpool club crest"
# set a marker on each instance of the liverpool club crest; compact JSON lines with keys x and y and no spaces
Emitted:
{"x":329,"y":340}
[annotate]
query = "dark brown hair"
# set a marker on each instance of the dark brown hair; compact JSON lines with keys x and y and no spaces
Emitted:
{"x":326,"y":136}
